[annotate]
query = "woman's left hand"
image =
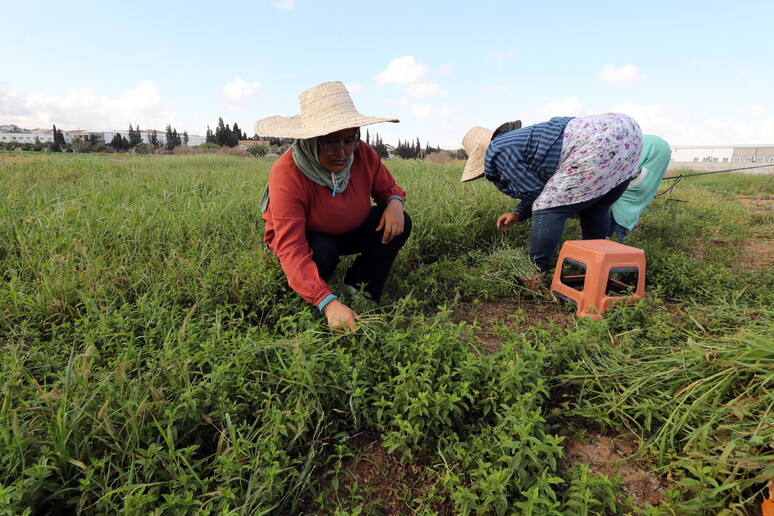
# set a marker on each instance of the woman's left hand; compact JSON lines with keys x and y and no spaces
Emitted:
{"x":392,"y":221}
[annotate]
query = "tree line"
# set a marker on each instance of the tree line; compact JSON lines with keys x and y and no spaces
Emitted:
{"x":223,"y":136}
{"x":134,"y":141}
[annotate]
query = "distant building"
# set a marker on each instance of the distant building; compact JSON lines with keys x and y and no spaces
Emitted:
{"x":145,"y":135}
{"x":724,"y":153}
{"x":754,"y":158}
{"x":12,"y":133}
{"x":91,"y":136}
{"x":33,"y":137}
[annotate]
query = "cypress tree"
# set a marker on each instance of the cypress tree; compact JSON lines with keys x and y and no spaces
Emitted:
{"x":170,"y":143}
{"x":236,"y":135}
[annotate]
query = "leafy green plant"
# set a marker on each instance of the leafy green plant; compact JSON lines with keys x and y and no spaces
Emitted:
{"x":153,"y":358}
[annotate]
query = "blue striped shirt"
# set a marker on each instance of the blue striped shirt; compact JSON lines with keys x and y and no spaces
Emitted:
{"x":520,"y":162}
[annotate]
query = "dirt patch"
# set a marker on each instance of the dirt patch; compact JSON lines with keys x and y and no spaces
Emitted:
{"x":610,"y":455}
{"x":758,"y":203}
{"x":491,"y":315}
{"x":758,"y":253}
{"x":380,"y":483}
{"x":442,"y":157}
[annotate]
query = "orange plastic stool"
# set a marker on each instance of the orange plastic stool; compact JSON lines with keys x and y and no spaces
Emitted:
{"x":602,"y":266}
{"x":767,"y":507}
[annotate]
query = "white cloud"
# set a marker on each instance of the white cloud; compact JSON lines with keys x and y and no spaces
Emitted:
{"x":694,"y":62}
{"x":653,"y":119}
{"x":285,"y":5}
{"x":82,"y":108}
{"x":446,"y":111}
{"x":13,"y":103}
{"x":144,"y":100}
{"x":681,"y":125}
{"x":402,"y":70}
{"x":625,"y":74}
{"x":421,"y":111}
{"x":446,"y":69}
{"x":235,"y":95}
{"x":412,"y":75}
{"x":499,"y":55}
{"x":571,"y":106}
{"x":425,"y":89}
{"x":751,"y":110}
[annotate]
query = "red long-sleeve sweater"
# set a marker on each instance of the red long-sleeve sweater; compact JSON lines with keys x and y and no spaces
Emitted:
{"x":298,"y":205}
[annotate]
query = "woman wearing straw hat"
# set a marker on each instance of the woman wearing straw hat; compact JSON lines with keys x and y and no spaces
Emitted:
{"x":557,"y":169}
{"x":317,"y":205}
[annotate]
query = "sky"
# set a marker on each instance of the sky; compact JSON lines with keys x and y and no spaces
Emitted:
{"x":694,"y":73}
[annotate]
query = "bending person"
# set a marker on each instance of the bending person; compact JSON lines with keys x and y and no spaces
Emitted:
{"x":317,"y":206}
{"x":626,"y":211}
{"x":557,"y":169}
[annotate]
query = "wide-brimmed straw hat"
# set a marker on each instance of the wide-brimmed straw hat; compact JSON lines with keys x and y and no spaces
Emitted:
{"x":475,"y":143}
{"x":325,"y":109}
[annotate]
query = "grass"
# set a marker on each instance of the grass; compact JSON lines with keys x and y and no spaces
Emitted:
{"x":153,"y":358}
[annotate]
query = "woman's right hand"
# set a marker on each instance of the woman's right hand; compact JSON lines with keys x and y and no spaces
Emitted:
{"x":506,"y":219}
{"x":340,"y":316}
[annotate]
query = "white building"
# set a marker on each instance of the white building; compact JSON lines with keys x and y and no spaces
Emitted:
{"x":762,"y":154}
{"x":33,"y":137}
{"x":12,"y":133}
{"x":748,"y":159}
{"x":145,"y":135}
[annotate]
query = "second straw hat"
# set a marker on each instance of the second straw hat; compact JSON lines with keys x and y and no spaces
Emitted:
{"x":475,"y":144}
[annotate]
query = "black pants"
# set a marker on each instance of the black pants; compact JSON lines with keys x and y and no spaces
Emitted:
{"x":373,"y":264}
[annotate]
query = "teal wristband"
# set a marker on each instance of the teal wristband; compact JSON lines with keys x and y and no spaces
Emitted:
{"x":327,"y":299}
{"x":396,"y":197}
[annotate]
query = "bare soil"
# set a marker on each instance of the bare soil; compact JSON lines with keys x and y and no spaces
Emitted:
{"x":611,"y":456}
{"x":385,"y":484}
{"x":759,"y":253}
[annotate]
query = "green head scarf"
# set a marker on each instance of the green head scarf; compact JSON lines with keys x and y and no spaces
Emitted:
{"x":654,"y":161}
{"x":306,"y":159}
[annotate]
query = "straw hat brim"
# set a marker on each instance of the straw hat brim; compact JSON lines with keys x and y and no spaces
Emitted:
{"x":476,"y":142}
{"x":297,"y":127}
{"x":325,"y":108}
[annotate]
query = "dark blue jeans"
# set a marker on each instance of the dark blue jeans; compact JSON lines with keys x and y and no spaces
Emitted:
{"x":548,"y":224}
{"x":375,"y":259}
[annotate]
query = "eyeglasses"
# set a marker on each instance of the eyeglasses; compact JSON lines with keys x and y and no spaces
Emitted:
{"x":332,"y":148}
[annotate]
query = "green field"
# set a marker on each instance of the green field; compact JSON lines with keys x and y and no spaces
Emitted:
{"x":154,"y":361}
